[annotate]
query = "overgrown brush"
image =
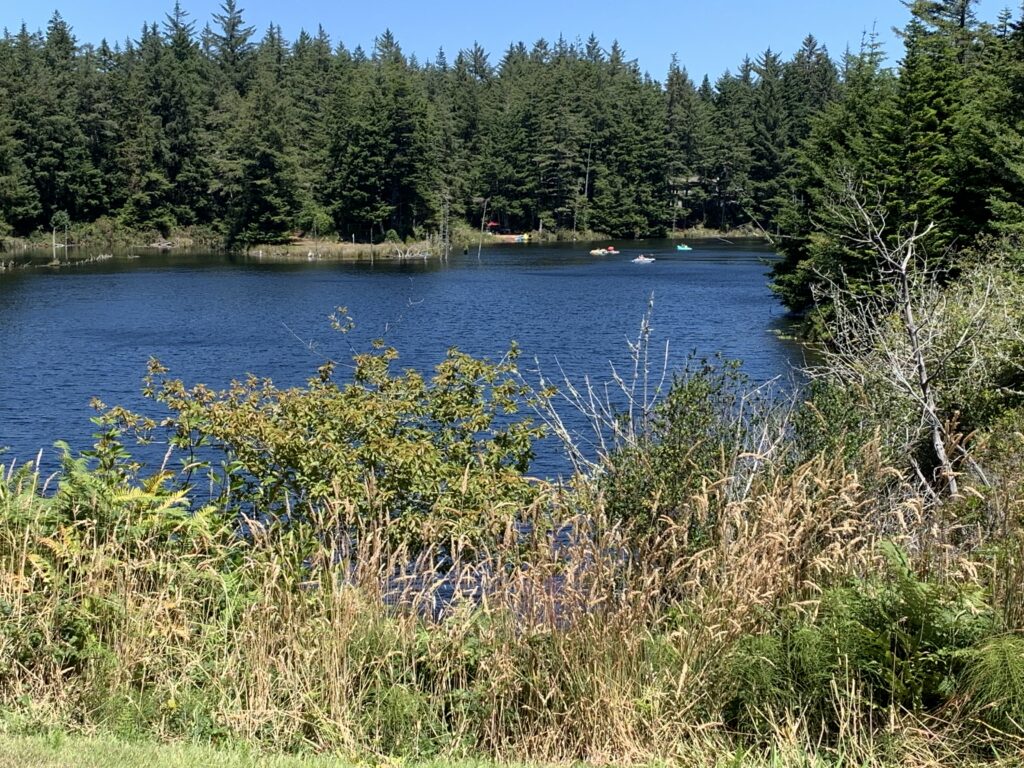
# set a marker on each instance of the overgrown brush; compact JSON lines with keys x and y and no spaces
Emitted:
{"x":169,"y":622}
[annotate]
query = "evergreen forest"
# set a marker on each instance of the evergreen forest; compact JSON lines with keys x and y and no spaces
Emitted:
{"x":260,"y":137}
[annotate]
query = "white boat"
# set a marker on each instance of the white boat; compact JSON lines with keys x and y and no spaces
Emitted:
{"x":641,"y":259}
{"x":599,"y":252}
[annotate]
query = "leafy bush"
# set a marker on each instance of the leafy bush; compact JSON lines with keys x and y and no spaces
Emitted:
{"x":435,"y":464}
{"x":839,"y":419}
{"x":901,"y":641}
{"x":692,"y":437}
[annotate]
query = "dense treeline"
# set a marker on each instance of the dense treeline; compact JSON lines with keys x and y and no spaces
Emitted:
{"x":936,"y":142}
{"x":259,"y":139}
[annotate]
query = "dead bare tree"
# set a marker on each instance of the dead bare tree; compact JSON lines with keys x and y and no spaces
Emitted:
{"x":905,"y":333}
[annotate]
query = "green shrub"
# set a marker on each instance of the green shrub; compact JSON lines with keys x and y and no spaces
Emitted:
{"x":841,"y":419}
{"x":401,"y":720}
{"x":691,"y":438}
{"x":432,"y":464}
{"x":898,"y":641}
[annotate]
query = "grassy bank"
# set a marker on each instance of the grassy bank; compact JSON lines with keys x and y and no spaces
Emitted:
{"x":86,"y":242}
{"x":710,"y":233}
{"x":72,"y":751}
{"x":108,"y":236}
{"x":314,"y":250}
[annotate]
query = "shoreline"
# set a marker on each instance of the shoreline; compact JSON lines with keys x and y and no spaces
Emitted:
{"x":25,"y":254}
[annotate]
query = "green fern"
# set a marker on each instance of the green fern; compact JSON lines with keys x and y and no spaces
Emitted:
{"x":995,"y":681}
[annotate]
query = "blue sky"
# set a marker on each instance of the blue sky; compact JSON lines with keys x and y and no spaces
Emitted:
{"x":708,"y":36}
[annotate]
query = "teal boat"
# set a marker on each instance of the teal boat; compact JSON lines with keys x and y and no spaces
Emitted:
{"x":683,"y":248}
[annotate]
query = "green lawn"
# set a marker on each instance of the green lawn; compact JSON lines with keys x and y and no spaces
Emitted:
{"x":60,"y":751}
{"x":72,"y":751}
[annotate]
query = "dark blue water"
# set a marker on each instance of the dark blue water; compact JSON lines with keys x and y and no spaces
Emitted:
{"x":87,"y":331}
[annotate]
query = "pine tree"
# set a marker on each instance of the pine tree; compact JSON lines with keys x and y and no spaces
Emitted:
{"x":810,"y":82}
{"x":505,"y":173}
{"x":44,"y":107}
{"x":183,"y":117}
{"x":308,"y":71}
{"x":19,"y":203}
{"x":687,"y":142}
{"x":144,"y":152}
{"x":561,"y":140}
{"x":631,"y":184}
{"x":849,"y":142}
{"x":770,"y":139}
{"x":472,"y":84}
{"x":97,"y":118}
{"x":259,"y":186}
{"x":359,"y":153}
{"x":727,"y":176}
{"x":403,"y":111}
{"x":1003,"y":116}
{"x":231,"y":47}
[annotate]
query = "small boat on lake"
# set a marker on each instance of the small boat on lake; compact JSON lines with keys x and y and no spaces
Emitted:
{"x":683,"y":247}
{"x":611,"y":250}
{"x":641,"y":259}
{"x":599,"y":252}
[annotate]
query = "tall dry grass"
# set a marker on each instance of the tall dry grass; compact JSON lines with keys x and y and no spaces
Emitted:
{"x":124,"y":609}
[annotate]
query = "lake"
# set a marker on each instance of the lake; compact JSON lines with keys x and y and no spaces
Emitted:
{"x":85,"y":331}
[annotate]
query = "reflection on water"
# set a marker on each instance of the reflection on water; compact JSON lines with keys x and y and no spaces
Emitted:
{"x":71,"y":334}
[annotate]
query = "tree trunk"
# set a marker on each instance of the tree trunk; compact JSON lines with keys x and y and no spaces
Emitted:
{"x":931,"y":411}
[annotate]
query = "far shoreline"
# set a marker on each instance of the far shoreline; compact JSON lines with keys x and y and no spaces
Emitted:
{"x":19,"y":254}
